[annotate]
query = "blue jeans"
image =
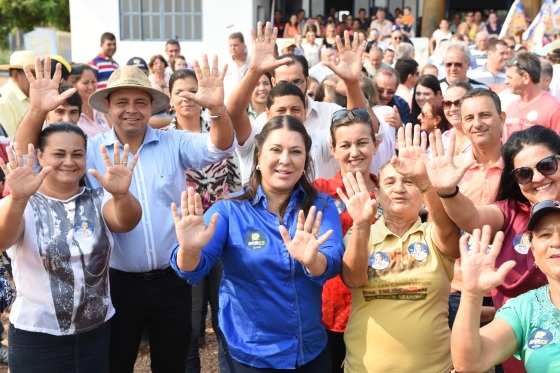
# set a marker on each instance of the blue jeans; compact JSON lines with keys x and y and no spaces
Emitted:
{"x":31,"y":352}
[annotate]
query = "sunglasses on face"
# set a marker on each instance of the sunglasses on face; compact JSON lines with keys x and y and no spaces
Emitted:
{"x":397,"y":38}
{"x":447,"y":103}
{"x":546,"y":166}
{"x":347,"y":116}
{"x":453,"y":64}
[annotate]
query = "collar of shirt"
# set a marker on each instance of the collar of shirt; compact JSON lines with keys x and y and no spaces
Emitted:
{"x":312,"y":109}
{"x":499,"y":164}
{"x":380,"y":231}
{"x":13,"y":88}
{"x":296,"y":196}
{"x":110,"y":137}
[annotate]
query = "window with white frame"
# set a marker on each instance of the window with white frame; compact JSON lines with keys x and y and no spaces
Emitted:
{"x":161,"y":19}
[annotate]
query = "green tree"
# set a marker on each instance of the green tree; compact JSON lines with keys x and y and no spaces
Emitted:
{"x":26,"y":14}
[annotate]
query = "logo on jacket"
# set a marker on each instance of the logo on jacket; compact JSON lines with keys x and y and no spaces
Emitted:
{"x":539,"y":338}
{"x":255,"y":240}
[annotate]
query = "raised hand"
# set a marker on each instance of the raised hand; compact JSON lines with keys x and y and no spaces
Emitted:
{"x":264,"y":41}
{"x":304,"y":247}
{"x":478,"y":260}
{"x":411,"y":161}
{"x":118,"y":173}
{"x":20,"y":177}
{"x":210,"y":93}
{"x":43,"y":90}
{"x":349,"y":65}
{"x":359,"y":204}
{"x":444,"y":169}
{"x":192,"y":233}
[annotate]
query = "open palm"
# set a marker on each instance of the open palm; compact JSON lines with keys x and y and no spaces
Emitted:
{"x":118,"y":173}
{"x":192,"y":233}
{"x":210,"y":93}
{"x":22,"y":180}
{"x":304,"y":246}
{"x":411,"y":160}
{"x":444,"y":169}
{"x":43,"y":90}
{"x":264,"y":42}
{"x":478,"y":259}
{"x":349,"y":65}
{"x":360,"y":206}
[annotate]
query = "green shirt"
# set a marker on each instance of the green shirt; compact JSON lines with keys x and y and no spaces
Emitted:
{"x":536,"y":324}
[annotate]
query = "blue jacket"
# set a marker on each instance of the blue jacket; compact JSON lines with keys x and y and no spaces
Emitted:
{"x":270,"y":308}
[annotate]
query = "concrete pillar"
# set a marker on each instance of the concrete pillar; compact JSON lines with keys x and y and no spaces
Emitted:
{"x":432,"y":12}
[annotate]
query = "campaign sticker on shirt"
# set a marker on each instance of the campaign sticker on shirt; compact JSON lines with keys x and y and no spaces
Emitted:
{"x":532,"y":116}
{"x":539,"y":338}
{"x":84,"y":232}
{"x":418,"y":250}
{"x":379,"y":260}
{"x":255,"y":240}
{"x":521,"y":243}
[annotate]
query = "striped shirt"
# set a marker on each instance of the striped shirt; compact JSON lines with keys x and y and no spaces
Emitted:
{"x":105,"y":67}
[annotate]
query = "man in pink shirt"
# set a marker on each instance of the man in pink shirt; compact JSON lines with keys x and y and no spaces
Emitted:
{"x":534,"y":105}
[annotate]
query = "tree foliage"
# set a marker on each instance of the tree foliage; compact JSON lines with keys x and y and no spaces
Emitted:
{"x":26,"y":14}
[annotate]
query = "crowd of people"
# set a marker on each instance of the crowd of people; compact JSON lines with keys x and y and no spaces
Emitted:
{"x":340,"y":207}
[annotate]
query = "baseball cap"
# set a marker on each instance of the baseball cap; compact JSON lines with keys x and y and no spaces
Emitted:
{"x":541,"y":209}
{"x":138,"y":62}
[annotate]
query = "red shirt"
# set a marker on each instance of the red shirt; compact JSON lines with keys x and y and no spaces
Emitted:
{"x":337,"y":298}
{"x":525,"y":275}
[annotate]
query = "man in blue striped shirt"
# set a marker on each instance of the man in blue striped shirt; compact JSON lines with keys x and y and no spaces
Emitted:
{"x":104,"y":62}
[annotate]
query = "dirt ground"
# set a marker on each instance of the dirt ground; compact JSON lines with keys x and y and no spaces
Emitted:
{"x":208,"y":354}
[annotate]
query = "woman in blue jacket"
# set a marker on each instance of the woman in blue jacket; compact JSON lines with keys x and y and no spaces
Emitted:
{"x":279,"y":242}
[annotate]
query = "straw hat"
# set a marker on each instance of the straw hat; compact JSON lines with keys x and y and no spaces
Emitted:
{"x":128,"y":77}
{"x":20,"y":59}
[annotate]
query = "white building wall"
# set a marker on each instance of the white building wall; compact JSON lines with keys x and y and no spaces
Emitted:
{"x":89,"y":19}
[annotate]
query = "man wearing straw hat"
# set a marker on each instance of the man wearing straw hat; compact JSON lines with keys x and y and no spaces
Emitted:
{"x":14,"y":100}
{"x":145,"y":292}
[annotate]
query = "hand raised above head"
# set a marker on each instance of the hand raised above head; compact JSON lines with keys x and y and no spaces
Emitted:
{"x":43,"y":90}
{"x":210,"y":93}
{"x":349,"y":65}
{"x":264,"y":43}
{"x":411,"y":160}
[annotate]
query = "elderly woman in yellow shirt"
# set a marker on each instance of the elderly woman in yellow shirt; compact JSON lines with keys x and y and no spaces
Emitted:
{"x":399,"y":268}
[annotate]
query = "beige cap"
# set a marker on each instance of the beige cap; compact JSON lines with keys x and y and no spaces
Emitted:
{"x":20,"y":59}
{"x":128,"y":77}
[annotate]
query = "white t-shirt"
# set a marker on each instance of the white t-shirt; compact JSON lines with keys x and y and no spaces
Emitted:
{"x":317,"y":123}
{"x":319,"y":72}
{"x":439,"y":35}
{"x":60,"y":265}
{"x":386,"y":140}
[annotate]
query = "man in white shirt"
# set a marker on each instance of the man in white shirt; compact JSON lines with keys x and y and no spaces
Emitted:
{"x":480,"y":49}
{"x":456,"y":63}
{"x":293,"y":69}
{"x":408,"y":76}
{"x":239,"y":63}
{"x":493,"y":73}
{"x":440,"y":34}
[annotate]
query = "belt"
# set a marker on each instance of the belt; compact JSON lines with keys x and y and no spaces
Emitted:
{"x":152,"y":275}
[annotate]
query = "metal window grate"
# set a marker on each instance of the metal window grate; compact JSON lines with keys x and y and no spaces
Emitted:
{"x":161,"y":19}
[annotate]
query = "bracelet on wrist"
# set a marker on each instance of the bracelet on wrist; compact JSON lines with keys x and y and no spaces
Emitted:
{"x":449,"y":195}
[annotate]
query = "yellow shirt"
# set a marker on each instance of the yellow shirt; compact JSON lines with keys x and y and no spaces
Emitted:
{"x":399,"y":320}
{"x":13,"y":106}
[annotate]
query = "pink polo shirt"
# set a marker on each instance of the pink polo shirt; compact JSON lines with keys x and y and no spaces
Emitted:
{"x":481,"y":182}
{"x":543,"y":109}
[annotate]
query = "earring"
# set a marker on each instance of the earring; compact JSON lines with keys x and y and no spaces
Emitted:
{"x":258,"y":167}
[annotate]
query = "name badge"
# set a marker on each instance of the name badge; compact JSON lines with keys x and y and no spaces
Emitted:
{"x":255,"y":240}
{"x":521,"y":243}
{"x":418,"y":250}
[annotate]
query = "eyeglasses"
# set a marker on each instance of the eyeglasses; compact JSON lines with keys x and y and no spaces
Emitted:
{"x":454,"y":64}
{"x":546,"y":166}
{"x":397,"y":38}
{"x":346,"y":116}
{"x":388,"y":92}
{"x":447,"y":103}
{"x":515,"y":62}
